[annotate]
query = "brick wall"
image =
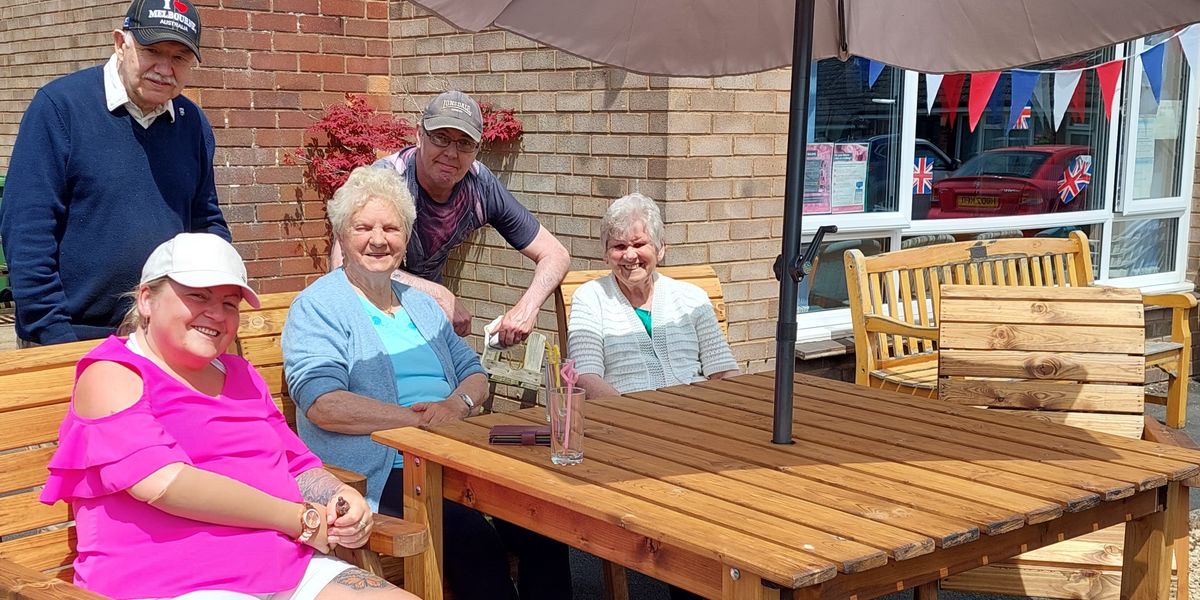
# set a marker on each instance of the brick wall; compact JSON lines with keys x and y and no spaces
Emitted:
{"x":270,"y":67}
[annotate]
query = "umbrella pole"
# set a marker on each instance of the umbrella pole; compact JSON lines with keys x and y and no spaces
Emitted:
{"x":785,"y":334}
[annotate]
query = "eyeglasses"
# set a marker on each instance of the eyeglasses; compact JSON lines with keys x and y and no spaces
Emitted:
{"x":442,"y":140}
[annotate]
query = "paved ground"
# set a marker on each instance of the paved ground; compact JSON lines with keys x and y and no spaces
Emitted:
{"x":586,"y":568}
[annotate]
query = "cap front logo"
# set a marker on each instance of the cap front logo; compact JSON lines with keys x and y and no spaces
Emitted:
{"x":172,"y":15}
{"x":455,"y":105}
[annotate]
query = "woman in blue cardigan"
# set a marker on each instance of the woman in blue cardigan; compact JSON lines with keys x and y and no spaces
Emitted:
{"x":353,"y":340}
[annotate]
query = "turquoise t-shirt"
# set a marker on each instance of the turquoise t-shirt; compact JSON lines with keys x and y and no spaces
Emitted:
{"x":419,"y":374}
{"x":644,"y":316}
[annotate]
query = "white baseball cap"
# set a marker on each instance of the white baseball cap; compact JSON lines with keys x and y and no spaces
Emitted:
{"x":199,"y":260}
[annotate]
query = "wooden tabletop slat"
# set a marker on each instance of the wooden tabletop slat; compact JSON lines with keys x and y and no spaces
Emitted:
{"x":849,"y":556}
{"x":711,"y":479}
{"x":867,"y":476}
{"x":768,"y":560}
{"x":985,"y":452}
{"x":617,"y":428}
{"x":1155,"y":461}
{"x":927,"y":474}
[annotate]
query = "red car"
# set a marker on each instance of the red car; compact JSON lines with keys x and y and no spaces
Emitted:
{"x":1021,"y":180}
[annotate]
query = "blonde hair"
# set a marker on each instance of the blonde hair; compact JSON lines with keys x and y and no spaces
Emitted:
{"x":133,"y":319}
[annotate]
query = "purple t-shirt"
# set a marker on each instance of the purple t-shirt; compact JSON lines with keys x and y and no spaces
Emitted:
{"x":130,"y":549}
{"x":479,"y":199}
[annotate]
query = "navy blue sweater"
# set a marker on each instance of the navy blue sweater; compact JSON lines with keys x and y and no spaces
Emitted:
{"x":88,"y":196}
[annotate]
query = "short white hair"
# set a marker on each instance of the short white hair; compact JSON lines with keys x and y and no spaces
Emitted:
{"x":625,"y":212}
{"x":368,"y":183}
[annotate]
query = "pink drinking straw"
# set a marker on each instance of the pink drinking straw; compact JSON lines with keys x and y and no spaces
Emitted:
{"x":569,"y":378}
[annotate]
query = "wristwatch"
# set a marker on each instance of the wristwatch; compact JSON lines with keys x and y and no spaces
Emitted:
{"x":470,"y":403}
{"x":310,"y":523}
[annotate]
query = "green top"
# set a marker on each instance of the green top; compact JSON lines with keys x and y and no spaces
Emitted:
{"x":644,"y":315}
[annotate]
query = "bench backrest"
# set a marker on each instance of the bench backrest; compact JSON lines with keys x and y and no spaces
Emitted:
{"x":35,"y":389}
{"x":1071,"y":355}
{"x":702,"y":276}
{"x":906,"y":285}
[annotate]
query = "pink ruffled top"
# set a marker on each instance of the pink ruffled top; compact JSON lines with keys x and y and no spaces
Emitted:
{"x":129,"y":549}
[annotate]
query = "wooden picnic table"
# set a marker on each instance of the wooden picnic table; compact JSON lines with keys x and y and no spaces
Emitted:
{"x":880,"y":491}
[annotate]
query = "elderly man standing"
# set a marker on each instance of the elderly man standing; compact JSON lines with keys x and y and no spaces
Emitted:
{"x":108,"y":163}
{"x":456,"y":195}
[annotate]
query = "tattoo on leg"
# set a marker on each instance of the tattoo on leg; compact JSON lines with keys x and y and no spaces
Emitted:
{"x":358,"y":579}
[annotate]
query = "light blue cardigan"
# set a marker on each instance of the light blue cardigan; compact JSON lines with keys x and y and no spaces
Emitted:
{"x":329,"y":344}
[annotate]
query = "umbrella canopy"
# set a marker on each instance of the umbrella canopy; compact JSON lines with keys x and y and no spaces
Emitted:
{"x":707,"y":38}
{"x":719,"y":37}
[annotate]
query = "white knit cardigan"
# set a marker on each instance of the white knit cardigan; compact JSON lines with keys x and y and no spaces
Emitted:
{"x":606,"y":338}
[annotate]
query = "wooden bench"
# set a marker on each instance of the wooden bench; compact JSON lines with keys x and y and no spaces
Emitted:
{"x":895,"y":297}
{"x":702,"y":276}
{"x":1069,"y":355}
{"x":37,"y":542}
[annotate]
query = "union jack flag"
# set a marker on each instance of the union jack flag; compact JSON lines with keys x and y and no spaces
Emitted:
{"x":923,"y":176}
{"x":1075,"y":179}
{"x":1023,"y":119}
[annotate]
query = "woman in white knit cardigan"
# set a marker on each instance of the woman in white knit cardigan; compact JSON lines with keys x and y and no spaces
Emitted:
{"x":635,"y":329}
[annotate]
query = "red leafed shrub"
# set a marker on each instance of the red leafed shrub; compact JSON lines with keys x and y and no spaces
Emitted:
{"x":354,"y":134}
{"x":499,"y":124}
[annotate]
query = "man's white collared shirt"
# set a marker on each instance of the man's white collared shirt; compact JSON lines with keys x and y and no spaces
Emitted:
{"x":116,"y":96}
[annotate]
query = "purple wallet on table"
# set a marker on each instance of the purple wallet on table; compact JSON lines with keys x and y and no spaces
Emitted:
{"x":520,"y":435}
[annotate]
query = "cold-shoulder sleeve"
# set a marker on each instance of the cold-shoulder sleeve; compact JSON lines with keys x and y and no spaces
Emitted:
{"x":96,"y":457}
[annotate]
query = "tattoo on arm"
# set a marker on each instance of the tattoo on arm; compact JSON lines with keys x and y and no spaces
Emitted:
{"x":318,"y":485}
{"x":358,"y":579}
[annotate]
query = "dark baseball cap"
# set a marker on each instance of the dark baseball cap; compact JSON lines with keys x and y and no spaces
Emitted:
{"x":154,"y":21}
{"x":456,"y":110}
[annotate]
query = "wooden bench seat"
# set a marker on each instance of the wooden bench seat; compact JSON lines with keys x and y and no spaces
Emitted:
{"x":895,"y":297}
{"x":37,"y":542}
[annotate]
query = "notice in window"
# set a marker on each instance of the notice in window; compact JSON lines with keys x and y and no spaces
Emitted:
{"x":848,"y":178}
{"x":817,"y":173}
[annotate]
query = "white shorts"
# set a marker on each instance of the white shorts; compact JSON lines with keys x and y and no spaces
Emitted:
{"x":321,"y":570}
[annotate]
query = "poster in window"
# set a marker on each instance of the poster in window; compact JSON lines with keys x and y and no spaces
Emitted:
{"x":818,"y":171}
{"x":848,"y":178}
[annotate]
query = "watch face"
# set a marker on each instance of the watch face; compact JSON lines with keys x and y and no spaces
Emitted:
{"x":312,"y":519}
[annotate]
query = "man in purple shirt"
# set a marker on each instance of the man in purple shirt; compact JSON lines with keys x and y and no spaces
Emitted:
{"x":456,"y":195}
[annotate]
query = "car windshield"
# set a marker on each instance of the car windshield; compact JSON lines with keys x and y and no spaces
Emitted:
{"x":1004,"y":164}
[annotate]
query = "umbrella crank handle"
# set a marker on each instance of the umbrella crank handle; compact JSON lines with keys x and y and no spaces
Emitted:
{"x":804,"y":262}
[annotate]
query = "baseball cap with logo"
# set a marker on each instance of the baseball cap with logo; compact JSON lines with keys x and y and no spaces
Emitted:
{"x":199,"y":260}
{"x":154,"y":21}
{"x":455,"y":110}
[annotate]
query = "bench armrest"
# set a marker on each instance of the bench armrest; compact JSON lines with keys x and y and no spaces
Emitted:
{"x":1161,"y":434}
{"x":893,"y":326}
{"x":21,"y":582}
{"x":350,"y":478}
{"x":397,"y":537}
{"x":1171,"y":300}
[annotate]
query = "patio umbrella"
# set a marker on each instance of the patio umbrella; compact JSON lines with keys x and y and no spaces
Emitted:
{"x":708,"y":38}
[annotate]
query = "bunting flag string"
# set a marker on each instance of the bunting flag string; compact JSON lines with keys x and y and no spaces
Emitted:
{"x":933,"y":81}
{"x":982,"y":85}
{"x":1029,"y":87}
{"x":1023,"y":83}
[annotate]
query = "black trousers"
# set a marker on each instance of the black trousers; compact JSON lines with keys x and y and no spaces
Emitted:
{"x":475,"y":553}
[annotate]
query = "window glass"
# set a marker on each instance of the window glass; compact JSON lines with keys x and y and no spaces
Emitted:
{"x":825,"y":287}
{"x":1158,"y":130}
{"x":1143,"y":247}
{"x":853,"y":156}
{"x":1021,"y":166}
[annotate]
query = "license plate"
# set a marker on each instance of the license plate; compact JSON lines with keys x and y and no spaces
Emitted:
{"x":978,"y":202}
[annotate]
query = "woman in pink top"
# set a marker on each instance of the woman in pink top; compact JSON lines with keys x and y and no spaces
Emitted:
{"x":184,"y":478}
